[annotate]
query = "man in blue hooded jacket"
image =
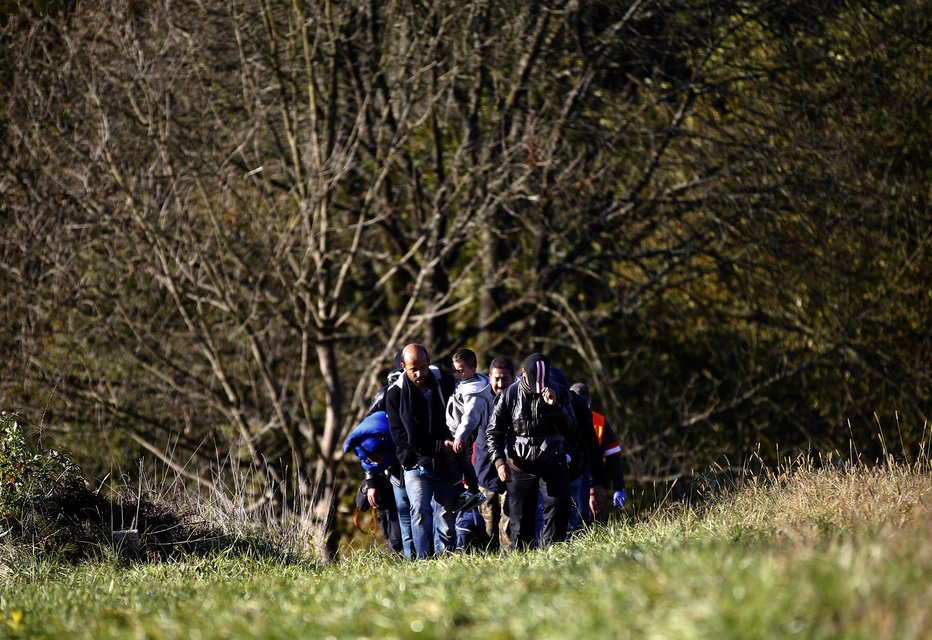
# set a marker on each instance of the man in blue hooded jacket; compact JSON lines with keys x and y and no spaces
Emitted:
{"x":372,"y":444}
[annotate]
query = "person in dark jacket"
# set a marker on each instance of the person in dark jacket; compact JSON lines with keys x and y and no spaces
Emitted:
{"x":494,"y":510}
{"x":395,"y":476}
{"x":526,"y":441}
{"x":586,"y":468}
{"x":415,"y":408}
{"x":610,"y":449}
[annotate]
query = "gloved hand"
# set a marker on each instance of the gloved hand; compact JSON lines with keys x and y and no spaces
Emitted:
{"x":619,"y":499}
{"x":424,"y":471}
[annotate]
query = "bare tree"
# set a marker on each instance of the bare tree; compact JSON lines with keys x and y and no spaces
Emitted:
{"x":269,"y":200}
{"x":229,"y":217}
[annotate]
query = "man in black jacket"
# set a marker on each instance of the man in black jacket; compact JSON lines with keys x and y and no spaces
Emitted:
{"x":610,"y":450}
{"x":415,"y":408}
{"x":586,"y":471}
{"x":526,"y":440}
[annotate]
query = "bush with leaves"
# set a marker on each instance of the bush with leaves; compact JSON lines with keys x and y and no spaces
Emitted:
{"x":38,"y":490}
{"x":47,"y":507}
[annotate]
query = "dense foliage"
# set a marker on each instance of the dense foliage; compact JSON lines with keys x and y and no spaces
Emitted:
{"x":223,"y":219}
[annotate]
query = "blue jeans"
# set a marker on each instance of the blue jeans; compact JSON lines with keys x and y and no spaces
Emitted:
{"x":580,"y":516}
{"x":421,"y":489}
{"x":404,"y":520}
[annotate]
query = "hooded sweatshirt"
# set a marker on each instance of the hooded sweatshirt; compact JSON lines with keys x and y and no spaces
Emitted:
{"x":469,"y":407}
{"x":372,"y":436}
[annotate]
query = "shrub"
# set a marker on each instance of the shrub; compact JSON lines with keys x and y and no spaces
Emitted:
{"x":37,"y":491}
{"x":47,"y":508}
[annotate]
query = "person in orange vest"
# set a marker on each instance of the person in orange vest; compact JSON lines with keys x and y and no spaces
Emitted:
{"x":611,"y":454}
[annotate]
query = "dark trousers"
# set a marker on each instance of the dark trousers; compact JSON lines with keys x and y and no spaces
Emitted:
{"x":391,"y":529}
{"x":552,"y":481}
{"x":388,"y":514}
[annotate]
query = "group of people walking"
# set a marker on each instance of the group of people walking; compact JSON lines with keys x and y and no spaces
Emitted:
{"x":522,"y":449}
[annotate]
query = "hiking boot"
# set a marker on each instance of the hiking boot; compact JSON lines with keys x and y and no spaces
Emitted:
{"x":468,"y":500}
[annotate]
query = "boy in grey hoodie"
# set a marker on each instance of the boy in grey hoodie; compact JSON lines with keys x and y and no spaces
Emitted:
{"x":469,"y":407}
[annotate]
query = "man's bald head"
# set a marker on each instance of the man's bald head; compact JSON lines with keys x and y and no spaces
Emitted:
{"x":416,"y":363}
{"x":412,"y":351}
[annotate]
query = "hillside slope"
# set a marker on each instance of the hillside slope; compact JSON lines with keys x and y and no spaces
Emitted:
{"x":804,"y":553}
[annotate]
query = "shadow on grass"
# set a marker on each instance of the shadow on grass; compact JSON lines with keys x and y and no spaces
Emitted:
{"x":73,"y":523}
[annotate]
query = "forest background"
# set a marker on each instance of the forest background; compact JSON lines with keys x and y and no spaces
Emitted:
{"x":222,"y":219}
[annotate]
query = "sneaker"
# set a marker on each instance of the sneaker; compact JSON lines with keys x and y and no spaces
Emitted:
{"x":468,"y":500}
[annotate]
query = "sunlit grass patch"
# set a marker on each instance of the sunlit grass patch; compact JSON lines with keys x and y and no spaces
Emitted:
{"x":804,"y":553}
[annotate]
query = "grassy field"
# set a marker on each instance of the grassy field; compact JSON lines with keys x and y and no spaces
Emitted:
{"x":804,"y":553}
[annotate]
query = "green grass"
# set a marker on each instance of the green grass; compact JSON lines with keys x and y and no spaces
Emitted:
{"x":807,"y":554}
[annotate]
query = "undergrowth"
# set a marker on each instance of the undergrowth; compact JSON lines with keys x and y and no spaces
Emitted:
{"x":48,"y":512}
{"x":810,"y":550}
